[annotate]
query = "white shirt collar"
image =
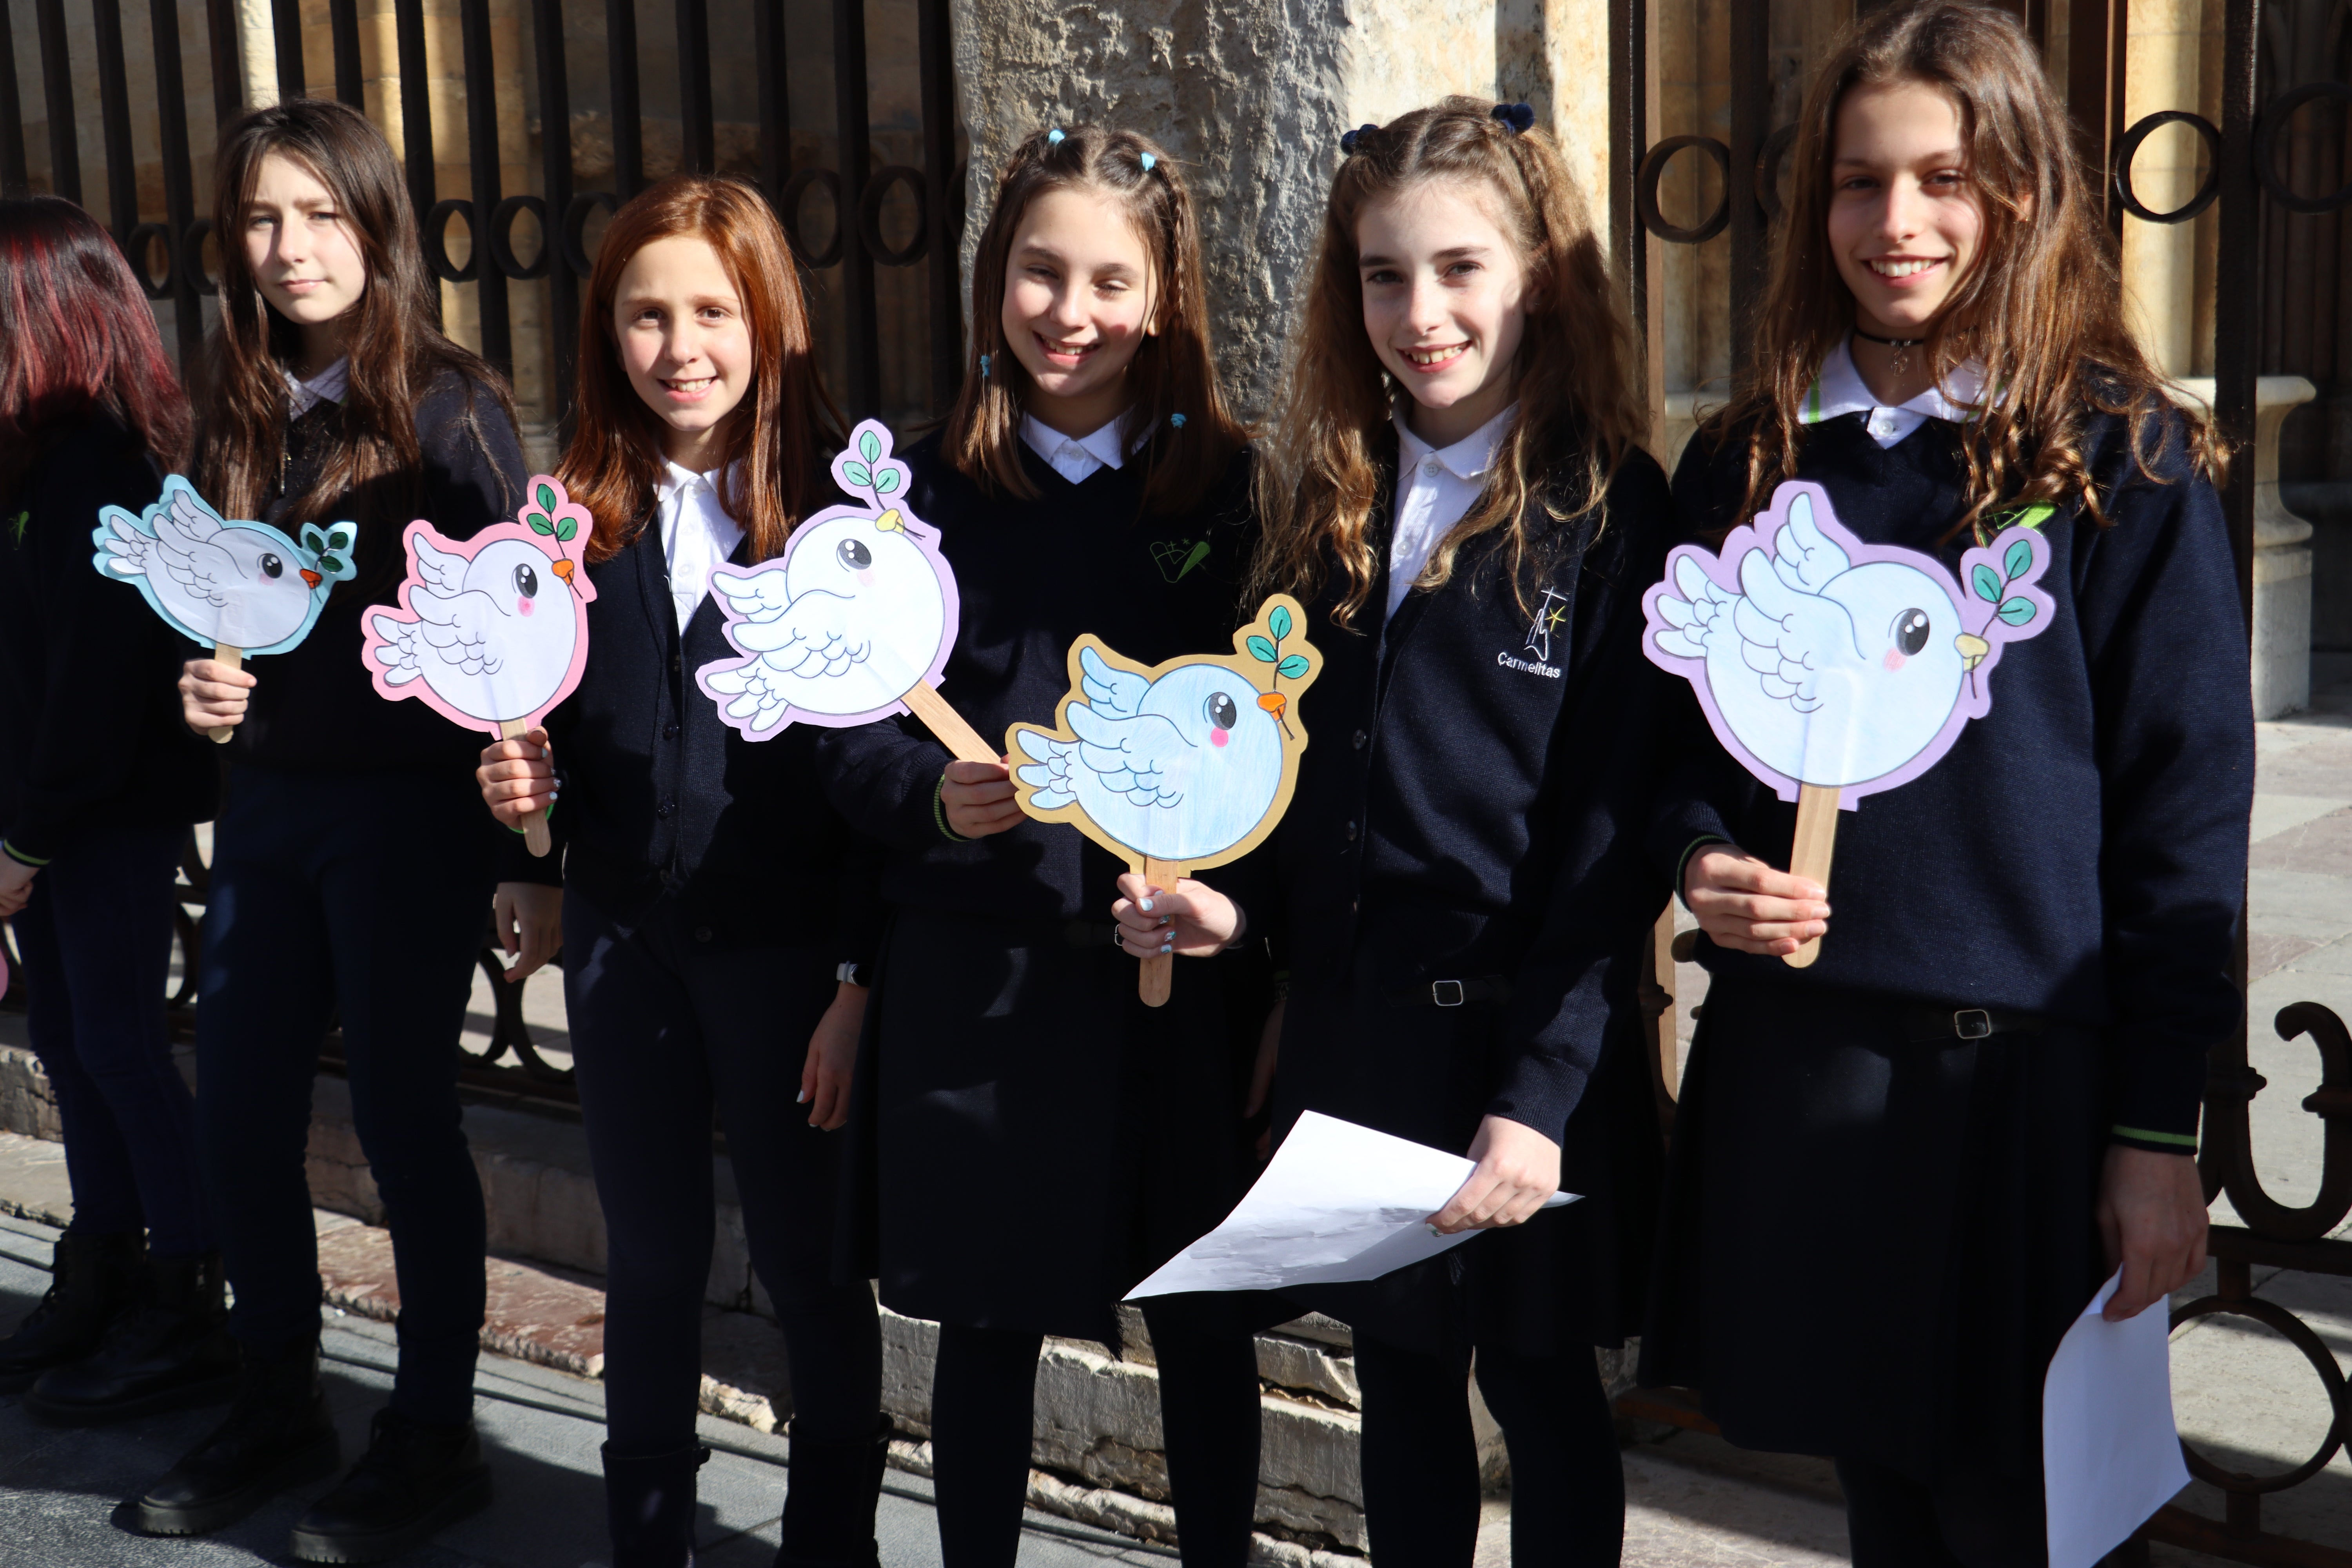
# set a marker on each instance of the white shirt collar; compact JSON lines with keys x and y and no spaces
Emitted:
{"x":1468,"y":458}
{"x":1075,"y":457}
{"x":696,"y":532}
{"x":1840,"y":390}
{"x":328,"y":385}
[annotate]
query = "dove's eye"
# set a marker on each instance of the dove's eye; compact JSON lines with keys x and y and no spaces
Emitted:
{"x":271,"y":566}
{"x":854,"y":555}
{"x":1911,"y":631}
{"x":1221,"y":711}
{"x":527,"y":582}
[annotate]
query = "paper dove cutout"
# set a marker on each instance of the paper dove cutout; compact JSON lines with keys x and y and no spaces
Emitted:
{"x":224,"y":584}
{"x":492,"y":632}
{"x":1188,"y":764}
{"x":859,"y":611}
{"x":1821,"y":660}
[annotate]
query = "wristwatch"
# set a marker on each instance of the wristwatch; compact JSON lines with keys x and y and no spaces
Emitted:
{"x":851,"y":973}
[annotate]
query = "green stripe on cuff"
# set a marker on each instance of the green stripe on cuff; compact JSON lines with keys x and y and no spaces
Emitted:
{"x":19,"y":857}
{"x":2184,"y":1140}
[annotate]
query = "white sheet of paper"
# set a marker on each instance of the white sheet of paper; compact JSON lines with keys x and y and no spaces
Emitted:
{"x":1338,"y":1201}
{"x":2110,"y":1453}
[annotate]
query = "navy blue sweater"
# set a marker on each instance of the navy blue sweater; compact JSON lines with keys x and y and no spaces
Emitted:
{"x":90,"y":710}
{"x":1031,"y":576}
{"x":2081,"y":851}
{"x":1461,"y":814}
{"x":658,"y":797}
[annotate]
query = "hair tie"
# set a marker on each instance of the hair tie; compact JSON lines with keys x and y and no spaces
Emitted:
{"x":1347,"y":142}
{"x":1148,"y":160}
{"x":1176,"y":422}
{"x":1515,"y":117}
{"x":984,"y":367}
{"x":1053,"y":137}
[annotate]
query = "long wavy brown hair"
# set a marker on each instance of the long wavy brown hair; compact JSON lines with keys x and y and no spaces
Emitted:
{"x":373,"y":474}
{"x":774,"y":443}
{"x":2041,"y":310}
{"x":1321,"y":476}
{"x":1174,"y":379}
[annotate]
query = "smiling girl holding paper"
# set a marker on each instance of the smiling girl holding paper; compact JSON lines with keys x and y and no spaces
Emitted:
{"x":1910,"y":1152}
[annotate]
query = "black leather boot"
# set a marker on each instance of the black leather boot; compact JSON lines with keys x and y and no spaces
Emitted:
{"x":92,"y":1280}
{"x":170,"y":1351}
{"x":413,"y":1481}
{"x":277,"y":1436}
{"x":830,"y":1496}
{"x":650,"y":1505}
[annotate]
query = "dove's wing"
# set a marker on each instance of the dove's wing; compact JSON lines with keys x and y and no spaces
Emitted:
{"x":817,"y":633}
{"x":399,"y":652}
{"x":761,"y":596}
{"x":1700,"y":618}
{"x":200,"y":566}
{"x":1132,"y":756}
{"x":1115,"y":693}
{"x":190,"y":517}
{"x":1803,"y":556}
{"x":1788,"y":637}
{"x":456,"y":627}
{"x":438,"y":570}
{"x":1050,"y":773}
{"x":127,"y":550}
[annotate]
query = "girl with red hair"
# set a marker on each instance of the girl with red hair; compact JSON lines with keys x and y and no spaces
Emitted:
{"x":710,"y":921}
{"x":99,"y":782}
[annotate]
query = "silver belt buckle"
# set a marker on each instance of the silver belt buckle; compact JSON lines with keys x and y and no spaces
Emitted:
{"x":1437,"y":993}
{"x":1972,"y":1023}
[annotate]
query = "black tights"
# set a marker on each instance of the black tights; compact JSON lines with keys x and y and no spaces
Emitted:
{"x":1963,"y":1519}
{"x":982,"y":1396}
{"x":1421,"y":1458}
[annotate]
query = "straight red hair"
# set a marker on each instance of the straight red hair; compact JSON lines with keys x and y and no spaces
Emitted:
{"x":76,"y":338}
{"x":779,"y":435}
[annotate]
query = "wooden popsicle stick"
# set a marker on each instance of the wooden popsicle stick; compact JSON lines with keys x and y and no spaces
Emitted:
{"x":1157,"y":973}
{"x":534,"y":827}
{"x":1808,"y":855}
{"x":948,"y":724}
{"x":235,"y":659}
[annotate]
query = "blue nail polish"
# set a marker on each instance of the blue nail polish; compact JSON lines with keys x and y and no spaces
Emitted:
{"x":1145,"y":906}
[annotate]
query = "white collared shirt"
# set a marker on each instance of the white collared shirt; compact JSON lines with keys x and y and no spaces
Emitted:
{"x":1840,"y":390}
{"x":328,"y":386}
{"x":1436,"y":489}
{"x":697,"y":534}
{"x":1075,"y":457}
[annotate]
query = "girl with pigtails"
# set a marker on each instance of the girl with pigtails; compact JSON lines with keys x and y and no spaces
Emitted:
{"x":1923,"y":1155}
{"x":1458,"y":490}
{"x":1033,"y":1140}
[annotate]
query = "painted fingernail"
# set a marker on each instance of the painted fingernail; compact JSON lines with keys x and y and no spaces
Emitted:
{"x":1145,"y":906}
{"x":800,"y":1099}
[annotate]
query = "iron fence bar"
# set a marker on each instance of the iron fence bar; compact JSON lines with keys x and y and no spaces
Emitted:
{"x":697,"y":148}
{"x":57,"y":98}
{"x":415,"y":109}
{"x":1751,"y":106}
{"x":555,"y":178}
{"x":343,"y":21}
{"x":858,"y":304}
{"x":286,"y":30}
{"x":179,"y":182}
{"x":482,"y":149}
{"x":2096,"y":45}
{"x":15,"y":180}
{"x":775,"y":101}
{"x":941,"y":231}
{"x":621,"y":69}
{"x":2237,"y":281}
{"x":114,"y":116}
{"x":228,"y":83}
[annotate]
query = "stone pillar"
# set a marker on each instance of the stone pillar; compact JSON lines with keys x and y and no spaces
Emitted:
{"x":2282,"y":630}
{"x":1251,"y":98}
{"x":2168,"y":268}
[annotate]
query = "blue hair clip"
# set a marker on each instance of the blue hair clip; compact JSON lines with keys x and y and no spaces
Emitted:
{"x":1176,"y":422}
{"x":1053,"y":137}
{"x":1148,"y":160}
{"x":984,"y":367}
{"x":1515,"y":117}
{"x":1347,"y":142}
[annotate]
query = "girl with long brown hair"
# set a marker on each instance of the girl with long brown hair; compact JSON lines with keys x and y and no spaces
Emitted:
{"x":95,"y":802}
{"x":1087,"y":480}
{"x":1922,"y":1153}
{"x":1458,"y":491}
{"x":352,"y":865}
{"x":711,"y":912}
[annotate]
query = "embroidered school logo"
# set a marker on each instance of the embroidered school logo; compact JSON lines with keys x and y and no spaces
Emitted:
{"x":1547,"y":619}
{"x":1175,"y":557}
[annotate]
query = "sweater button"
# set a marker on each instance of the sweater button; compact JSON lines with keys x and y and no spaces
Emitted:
{"x":674,"y":664}
{"x":669,"y":731}
{"x":702,"y":933}
{"x":1363,"y":740}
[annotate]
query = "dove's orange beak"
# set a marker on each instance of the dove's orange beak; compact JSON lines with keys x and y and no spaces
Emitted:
{"x":1972,"y":649}
{"x":312,"y":577}
{"x":1276,"y":703}
{"x":563,"y":570}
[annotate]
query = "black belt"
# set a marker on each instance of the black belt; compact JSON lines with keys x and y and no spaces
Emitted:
{"x":1926,"y":1023}
{"x":1453,"y":992}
